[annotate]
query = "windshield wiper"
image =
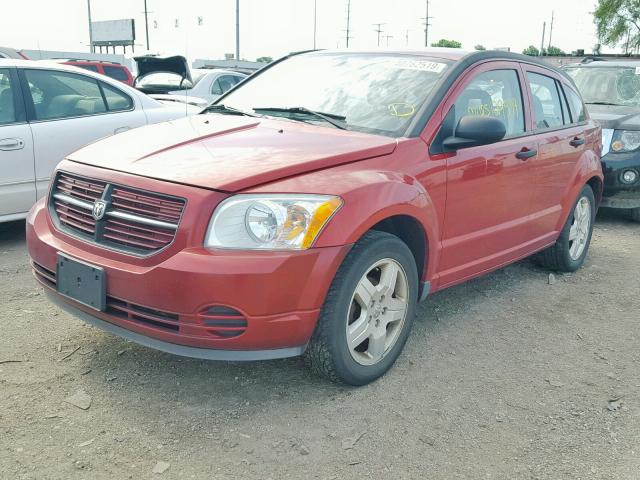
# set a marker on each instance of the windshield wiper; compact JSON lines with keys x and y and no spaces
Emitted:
{"x":605,"y":103}
{"x":221,"y":108}
{"x":335,"y":120}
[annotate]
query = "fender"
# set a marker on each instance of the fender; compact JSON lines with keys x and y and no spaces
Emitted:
{"x":587,"y":167}
{"x":369,"y":197}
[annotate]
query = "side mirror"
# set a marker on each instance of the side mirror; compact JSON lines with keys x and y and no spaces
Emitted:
{"x":473,"y":131}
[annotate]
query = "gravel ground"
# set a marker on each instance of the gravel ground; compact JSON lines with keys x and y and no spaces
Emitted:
{"x":505,"y":377}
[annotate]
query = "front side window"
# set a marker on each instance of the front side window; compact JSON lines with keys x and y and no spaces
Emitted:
{"x":7,"y":102}
{"x":374,"y":93}
{"x":91,"y":68}
{"x":62,"y":94}
{"x":495,"y":94}
{"x":547,"y":109}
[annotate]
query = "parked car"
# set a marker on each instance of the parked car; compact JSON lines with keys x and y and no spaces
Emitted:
{"x":164,"y":77}
{"x":6,"y":52}
{"x":114,"y":70}
{"x":311,"y":208}
{"x":48,"y":110}
{"x":611,"y":90}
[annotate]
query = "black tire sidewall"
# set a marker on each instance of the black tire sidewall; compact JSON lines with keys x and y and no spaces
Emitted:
{"x":356,"y":265}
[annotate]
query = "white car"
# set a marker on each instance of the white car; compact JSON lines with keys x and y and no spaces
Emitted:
{"x":47,"y":111}
{"x":211,"y":84}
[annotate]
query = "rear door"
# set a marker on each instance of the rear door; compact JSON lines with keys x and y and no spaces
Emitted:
{"x":17,"y":181}
{"x":69,"y":110}
{"x":488,"y":187}
{"x":561,"y":142}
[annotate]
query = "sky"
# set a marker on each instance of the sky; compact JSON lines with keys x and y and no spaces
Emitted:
{"x":276,"y":27}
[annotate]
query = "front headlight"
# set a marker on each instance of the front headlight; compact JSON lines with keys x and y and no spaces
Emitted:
{"x":625,"y":141}
{"x":270,"y":222}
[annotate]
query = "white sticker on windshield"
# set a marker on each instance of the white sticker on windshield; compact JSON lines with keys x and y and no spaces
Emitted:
{"x":422,"y":65}
{"x":637,"y":70}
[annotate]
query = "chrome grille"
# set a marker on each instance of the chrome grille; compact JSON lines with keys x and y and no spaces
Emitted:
{"x":132,"y":220}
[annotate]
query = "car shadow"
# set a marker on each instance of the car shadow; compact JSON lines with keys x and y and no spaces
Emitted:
{"x":12,"y":234}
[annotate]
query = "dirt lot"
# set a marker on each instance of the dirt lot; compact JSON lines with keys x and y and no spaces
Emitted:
{"x":506,"y":377}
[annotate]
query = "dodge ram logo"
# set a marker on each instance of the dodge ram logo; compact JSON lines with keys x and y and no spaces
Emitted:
{"x":99,"y":207}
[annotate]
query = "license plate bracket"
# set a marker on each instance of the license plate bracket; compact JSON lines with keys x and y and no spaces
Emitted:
{"x":82,"y":282}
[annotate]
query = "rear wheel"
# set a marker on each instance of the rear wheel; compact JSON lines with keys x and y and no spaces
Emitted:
{"x":570,"y":250}
{"x":368,"y":312}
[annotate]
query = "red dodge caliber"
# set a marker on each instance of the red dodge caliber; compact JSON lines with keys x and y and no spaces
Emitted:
{"x":311,"y":207}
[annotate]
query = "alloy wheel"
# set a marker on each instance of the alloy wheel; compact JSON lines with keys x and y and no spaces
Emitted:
{"x":579,"y":232}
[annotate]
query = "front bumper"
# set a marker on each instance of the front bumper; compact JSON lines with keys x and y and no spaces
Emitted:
{"x":616,"y":193}
{"x":270,"y":299}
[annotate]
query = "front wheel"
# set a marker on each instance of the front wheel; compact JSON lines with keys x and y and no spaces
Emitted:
{"x":368,"y":312}
{"x":570,"y":250}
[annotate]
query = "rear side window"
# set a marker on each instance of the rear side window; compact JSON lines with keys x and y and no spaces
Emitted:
{"x":7,"y":102}
{"x":496,"y":94}
{"x":115,"y":72}
{"x":223,"y":83}
{"x":92,"y":68}
{"x":116,"y":100}
{"x":547,"y":108}
{"x":58,"y":94}
{"x":576,"y":105}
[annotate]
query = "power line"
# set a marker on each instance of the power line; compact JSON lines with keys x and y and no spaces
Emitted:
{"x":378,"y":30}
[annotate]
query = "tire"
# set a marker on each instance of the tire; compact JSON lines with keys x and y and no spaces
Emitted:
{"x":635,"y":214}
{"x":346,"y":314}
{"x":563,"y":256}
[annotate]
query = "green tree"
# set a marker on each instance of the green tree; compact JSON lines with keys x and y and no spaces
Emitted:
{"x":618,"y":21}
{"x":532,"y":51}
{"x":447,"y":43}
{"x":264,"y":59}
{"x":554,"y":51}
{"x":479,"y":47}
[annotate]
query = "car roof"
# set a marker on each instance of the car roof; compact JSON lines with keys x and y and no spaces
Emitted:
{"x":217,"y":71}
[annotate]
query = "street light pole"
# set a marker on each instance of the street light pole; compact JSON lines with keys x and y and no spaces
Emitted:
{"x":90,"y":28}
{"x":237,"y":29}
{"x":146,"y":22}
{"x":315,"y":22}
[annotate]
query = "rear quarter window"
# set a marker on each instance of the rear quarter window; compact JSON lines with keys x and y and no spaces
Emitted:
{"x":117,"y":73}
{"x":575,"y":105}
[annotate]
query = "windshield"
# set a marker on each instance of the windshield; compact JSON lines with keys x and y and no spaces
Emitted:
{"x":608,"y":85}
{"x":375,"y":93}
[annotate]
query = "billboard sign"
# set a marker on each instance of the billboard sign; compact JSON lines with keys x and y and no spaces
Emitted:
{"x":113,"y":32}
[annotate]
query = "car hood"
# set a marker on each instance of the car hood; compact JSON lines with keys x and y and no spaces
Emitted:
{"x":616,"y":117}
{"x":230,"y":153}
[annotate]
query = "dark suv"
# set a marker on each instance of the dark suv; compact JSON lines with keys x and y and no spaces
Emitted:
{"x":611,"y":90}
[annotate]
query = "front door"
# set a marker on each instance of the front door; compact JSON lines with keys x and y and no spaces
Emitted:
{"x":17,"y":181}
{"x":489,"y":187}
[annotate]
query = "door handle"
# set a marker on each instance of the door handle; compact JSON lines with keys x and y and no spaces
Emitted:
{"x":11,"y":144}
{"x":526,"y":153}
{"x":576,"y":142}
{"x":120,"y":130}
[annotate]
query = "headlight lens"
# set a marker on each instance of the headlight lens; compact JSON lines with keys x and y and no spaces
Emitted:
{"x":625,"y":141}
{"x":270,"y":222}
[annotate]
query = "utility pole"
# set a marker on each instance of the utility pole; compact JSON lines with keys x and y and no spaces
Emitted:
{"x":348,"y":21}
{"x":426,"y":24}
{"x":146,"y":22}
{"x":378,"y":30}
{"x":550,"y":30}
{"x":237,"y":29}
{"x":406,"y":38}
{"x":544,"y":27}
{"x":388,"y":37}
{"x":90,"y":28}
{"x":315,"y":22}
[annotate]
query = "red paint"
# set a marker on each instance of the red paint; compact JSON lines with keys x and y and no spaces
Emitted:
{"x":97,"y":66}
{"x":480,"y":208}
